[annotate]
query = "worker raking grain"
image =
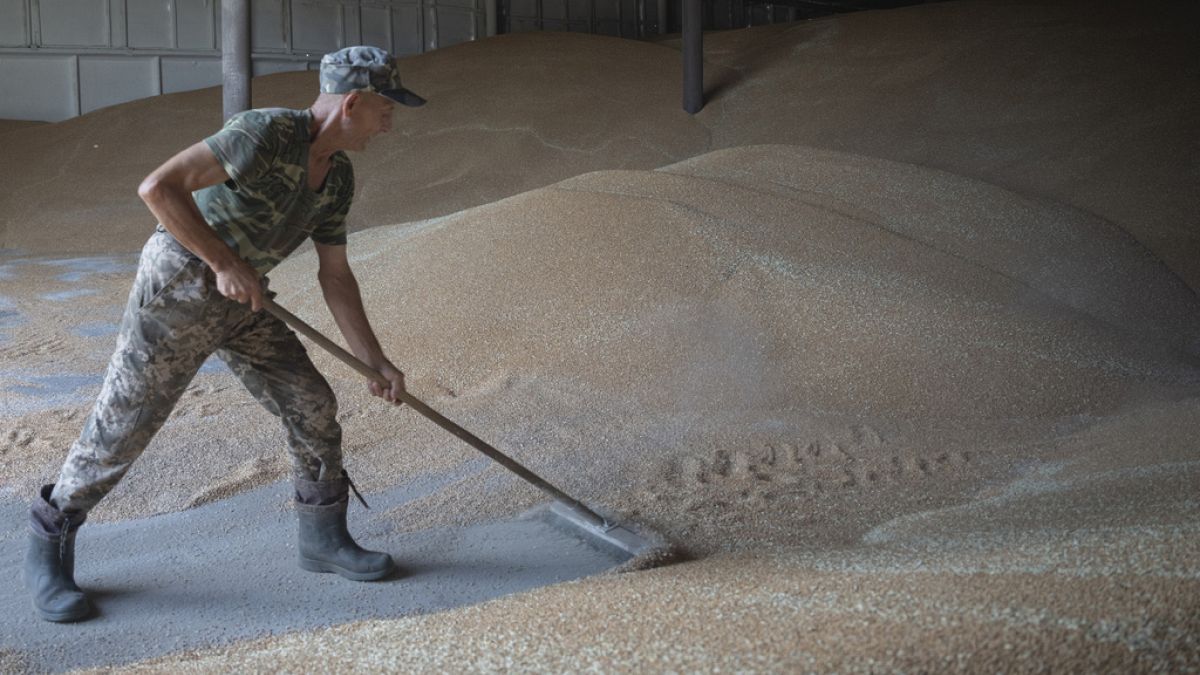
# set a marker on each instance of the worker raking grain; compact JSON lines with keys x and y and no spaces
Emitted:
{"x":230,"y":208}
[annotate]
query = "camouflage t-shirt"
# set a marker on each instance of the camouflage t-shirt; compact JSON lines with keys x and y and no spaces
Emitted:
{"x":265,"y":211}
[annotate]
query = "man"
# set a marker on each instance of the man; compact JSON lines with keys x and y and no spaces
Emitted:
{"x":230,"y":208}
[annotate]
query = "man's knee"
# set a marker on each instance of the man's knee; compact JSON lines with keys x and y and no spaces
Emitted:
{"x":318,"y":405}
{"x":312,"y":420}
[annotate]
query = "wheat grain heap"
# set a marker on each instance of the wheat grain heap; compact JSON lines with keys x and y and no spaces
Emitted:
{"x":899,"y":338}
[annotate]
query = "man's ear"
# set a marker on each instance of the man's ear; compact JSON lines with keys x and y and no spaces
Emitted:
{"x":350,"y":101}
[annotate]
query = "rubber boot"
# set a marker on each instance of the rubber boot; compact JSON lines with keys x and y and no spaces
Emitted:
{"x":50,"y":562}
{"x":325,"y":543}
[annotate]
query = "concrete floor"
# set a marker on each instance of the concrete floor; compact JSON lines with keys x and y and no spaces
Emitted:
{"x":226,"y":571}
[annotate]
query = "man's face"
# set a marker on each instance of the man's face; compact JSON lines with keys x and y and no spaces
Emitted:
{"x":369,"y":115}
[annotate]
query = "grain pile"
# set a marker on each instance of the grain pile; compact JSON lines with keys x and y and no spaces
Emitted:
{"x":916,"y":391}
{"x":1092,"y":106}
{"x":7,"y":126}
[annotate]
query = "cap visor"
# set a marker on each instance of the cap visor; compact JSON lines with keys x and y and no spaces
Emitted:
{"x":403,"y":96}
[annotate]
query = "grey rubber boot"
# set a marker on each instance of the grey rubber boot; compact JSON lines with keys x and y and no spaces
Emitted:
{"x":325,"y":543}
{"x":50,"y":562}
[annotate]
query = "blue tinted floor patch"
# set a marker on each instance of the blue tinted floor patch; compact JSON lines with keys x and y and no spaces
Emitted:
{"x":98,"y":329}
{"x":67,"y":295}
{"x":227,"y":571}
{"x":77,"y":269}
{"x":42,"y":392}
{"x":10,"y":318}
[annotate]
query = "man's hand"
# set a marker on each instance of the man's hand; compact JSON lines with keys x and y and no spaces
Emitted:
{"x":240,"y":282}
{"x":393,"y":375}
{"x":345,"y":303}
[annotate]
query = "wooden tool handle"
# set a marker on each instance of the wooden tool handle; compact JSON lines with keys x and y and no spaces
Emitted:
{"x":416,"y":404}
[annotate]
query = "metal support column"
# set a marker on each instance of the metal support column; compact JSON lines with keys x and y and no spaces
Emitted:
{"x":693,"y":57}
{"x":235,"y":56}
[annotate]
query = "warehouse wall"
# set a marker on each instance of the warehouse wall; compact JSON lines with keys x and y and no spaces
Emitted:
{"x":648,"y":18}
{"x":61,"y":58}
{"x":618,"y":18}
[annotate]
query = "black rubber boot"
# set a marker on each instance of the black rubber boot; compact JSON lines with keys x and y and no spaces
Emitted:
{"x":50,"y":562}
{"x":325,"y":543}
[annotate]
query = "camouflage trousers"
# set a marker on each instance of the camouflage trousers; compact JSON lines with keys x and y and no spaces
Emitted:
{"x":174,"y":320}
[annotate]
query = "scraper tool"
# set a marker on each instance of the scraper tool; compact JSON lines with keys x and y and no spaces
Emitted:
{"x":565,"y":512}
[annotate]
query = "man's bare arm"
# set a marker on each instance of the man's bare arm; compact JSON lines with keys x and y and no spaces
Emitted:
{"x":344,"y":299}
{"x":167,"y":191}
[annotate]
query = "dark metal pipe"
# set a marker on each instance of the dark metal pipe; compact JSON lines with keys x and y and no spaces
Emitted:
{"x":235,"y":56}
{"x":693,"y":57}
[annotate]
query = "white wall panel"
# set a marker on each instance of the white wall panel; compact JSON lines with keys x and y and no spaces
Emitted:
{"x":527,"y":8}
{"x":116,"y":22}
{"x":14,"y":24}
{"x":38,"y":87}
{"x":196,"y":24}
{"x":268,"y":25}
{"x":350,"y":23}
{"x":579,"y":10}
{"x":94,"y":53}
{"x":108,"y":80}
{"x":376,"y":26}
{"x":555,"y":10}
{"x":316,"y":26}
{"x":454,"y":27}
{"x":522,"y":25}
{"x":269,"y":66}
{"x":609,"y":17}
{"x":151,"y":23}
{"x":629,"y":17}
{"x":74,"y":23}
{"x":608,"y":9}
{"x":429,"y":27}
{"x":407,"y":29}
{"x":182,"y":74}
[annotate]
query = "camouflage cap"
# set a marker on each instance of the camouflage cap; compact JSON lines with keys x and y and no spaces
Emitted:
{"x":364,"y":69}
